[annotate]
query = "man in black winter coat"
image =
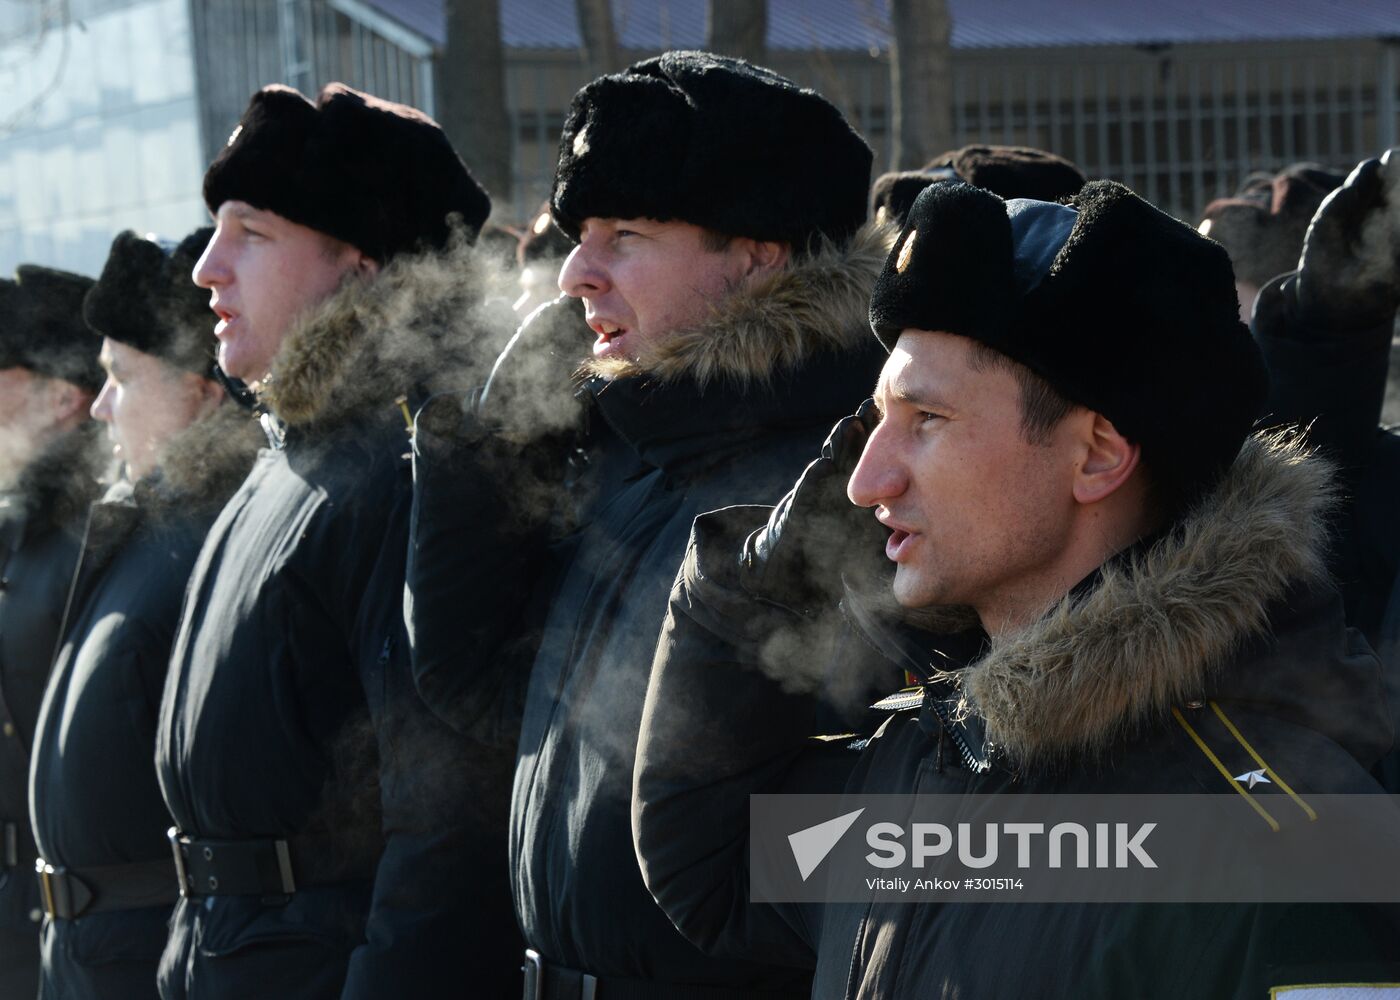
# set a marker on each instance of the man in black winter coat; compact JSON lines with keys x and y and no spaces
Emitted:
{"x":1059,"y":456}
{"x":723,"y":277}
{"x":106,"y":876}
{"x":1325,"y":324}
{"x":49,"y":466}
{"x":332,"y":839}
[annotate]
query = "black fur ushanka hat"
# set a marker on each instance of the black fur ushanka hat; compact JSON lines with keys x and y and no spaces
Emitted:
{"x":146,"y":298}
{"x":1121,"y":308}
{"x":42,"y":328}
{"x":715,"y":142}
{"x":380,"y":176}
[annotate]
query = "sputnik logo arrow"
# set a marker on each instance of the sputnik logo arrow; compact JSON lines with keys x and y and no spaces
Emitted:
{"x":811,"y":846}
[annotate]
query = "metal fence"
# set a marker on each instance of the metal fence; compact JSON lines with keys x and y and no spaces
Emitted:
{"x":1179,"y":125}
{"x":241,"y":45}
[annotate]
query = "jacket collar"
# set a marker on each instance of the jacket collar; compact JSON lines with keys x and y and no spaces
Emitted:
{"x":59,"y":483}
{"x":415,"y":329}
{"x":672,"y":424}
{"x":201,"y":466}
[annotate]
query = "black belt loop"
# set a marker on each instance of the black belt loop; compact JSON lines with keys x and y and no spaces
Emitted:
{"x":11,"y":834}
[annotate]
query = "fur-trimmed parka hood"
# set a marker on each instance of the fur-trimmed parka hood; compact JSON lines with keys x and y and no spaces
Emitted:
{"x":819,"y":303}
{"x":1170,"y":623}
{"x":422,"y":325}
{"x":202,"y":465}
{"x":57,"y":485}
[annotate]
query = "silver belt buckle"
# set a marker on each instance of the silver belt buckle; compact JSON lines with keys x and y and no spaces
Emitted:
{"x":173,"y":835}
{"x":534,"y":975}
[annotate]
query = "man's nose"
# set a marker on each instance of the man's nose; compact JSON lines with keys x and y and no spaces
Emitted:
{"x":581,"y":274}
{"x":101,"y":408}
{"x":878,"y":476}
{"x":211,"y":269}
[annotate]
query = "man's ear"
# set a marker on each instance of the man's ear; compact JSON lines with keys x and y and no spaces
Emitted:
{"x":366,"y":268}
{"x":1110,"y":459}
{"x":765,"y":257}
{"x":70,"y":402}
{"x":210,"y":396}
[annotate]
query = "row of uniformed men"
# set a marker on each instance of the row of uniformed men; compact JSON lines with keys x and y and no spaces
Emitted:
{"x":374,"y":795}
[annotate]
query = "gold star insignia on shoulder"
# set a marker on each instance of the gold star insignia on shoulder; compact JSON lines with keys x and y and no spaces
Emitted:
{"x":1251,"y":778}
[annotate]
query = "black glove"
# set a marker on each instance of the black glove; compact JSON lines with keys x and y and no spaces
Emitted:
{"x":530,"y":393}
{"x":815,"y":536}
{"x":1349,"y":270}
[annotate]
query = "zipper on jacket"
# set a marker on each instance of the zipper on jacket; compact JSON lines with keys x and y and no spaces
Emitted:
{"x":969,"y":759}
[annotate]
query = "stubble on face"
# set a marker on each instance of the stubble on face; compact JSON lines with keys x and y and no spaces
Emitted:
{"x":979,"y":512}
{"x":644,"y":283}
{"x":265,"y":273}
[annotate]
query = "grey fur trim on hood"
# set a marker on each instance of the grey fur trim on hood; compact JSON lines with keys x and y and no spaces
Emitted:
{"x":57,"y":485}
{"x":821,"y":302}
{"x":202,"y":465}
{"x":422,"y":323}
{"x":1154,"y":628}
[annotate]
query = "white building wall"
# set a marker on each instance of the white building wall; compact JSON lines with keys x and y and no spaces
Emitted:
{"x":98,"y":132}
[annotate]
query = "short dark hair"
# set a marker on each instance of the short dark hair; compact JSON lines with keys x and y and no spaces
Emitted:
{"x":1042,"y":407}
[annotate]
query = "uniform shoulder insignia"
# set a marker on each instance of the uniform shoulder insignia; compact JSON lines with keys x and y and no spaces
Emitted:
{"x":902,"y":701}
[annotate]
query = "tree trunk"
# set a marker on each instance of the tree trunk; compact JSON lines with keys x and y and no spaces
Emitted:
{"x":921,"y":81}
{"x":738,"y":28}
{"x":472,"y":94}
{"x":595,"y":28}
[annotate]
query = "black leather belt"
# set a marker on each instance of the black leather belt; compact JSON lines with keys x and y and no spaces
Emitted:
{"x":68,"y":894}
{"x":206,"y":867}
{"x":547,"y":981}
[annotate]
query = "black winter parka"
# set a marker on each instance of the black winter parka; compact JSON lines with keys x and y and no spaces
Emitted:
{"x":727,"y":413}
{"x":41,"y":527}
{"x":289,"y":712}
{"x":1231,"y":611}
{"x":93,"y":793}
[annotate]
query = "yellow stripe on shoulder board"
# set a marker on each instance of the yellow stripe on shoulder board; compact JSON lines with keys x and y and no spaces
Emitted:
{"x":1239,"y":738}
{"x":1337,"y":991}
{"x":1210,"y":755}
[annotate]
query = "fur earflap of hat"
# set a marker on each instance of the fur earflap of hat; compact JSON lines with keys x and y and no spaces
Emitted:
{"x":380,"y":176}
{"x":716,"y":142}
{"x":1118,"y":306}
{"x":42,"y":328}
{"x":1013,"y":171}
{"x":1262,"y":225}
{"x":146,"y":298}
